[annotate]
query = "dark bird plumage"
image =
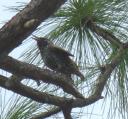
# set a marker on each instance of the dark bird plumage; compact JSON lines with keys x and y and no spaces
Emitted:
{"x":57,"y":58}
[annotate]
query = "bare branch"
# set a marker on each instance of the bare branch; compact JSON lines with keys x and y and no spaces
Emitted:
{"x":101,"y":81}
{"x":17,"y":29}
{"x":11,"y":65}
{"x":30,"y":71}
{"x":42,"y":97}
{"x":26,"y":91}
{"x":47,"y":114}
{"x":25,"y":22}
{"x":67,"y":113}
{"x":20,"y":78}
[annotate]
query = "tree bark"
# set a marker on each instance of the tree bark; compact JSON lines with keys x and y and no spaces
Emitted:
{"x":67,"y":113}
{"x":31,"y":71}
{"x":25,"y":22}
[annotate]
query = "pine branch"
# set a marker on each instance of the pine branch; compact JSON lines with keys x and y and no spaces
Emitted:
{"x":47,"y":114}
{"x":67,"y":113}
{"x":104,"y":76}
{"x":25,"y":22}
{"x":26,"y":91}
{"x":11,"y":65}
{"x":101,"y":81}
{"x":42,"y":97}
{"x":31,"y":71}
{"x":105,"y":34}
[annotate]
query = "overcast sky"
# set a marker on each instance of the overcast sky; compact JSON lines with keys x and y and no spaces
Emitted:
{"x":5,"y":15}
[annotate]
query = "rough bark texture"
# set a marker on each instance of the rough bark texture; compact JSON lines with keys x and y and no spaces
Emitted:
{"x":42,"y":97}
{"x":25,"y":22}
{"x":26,"y":91}
{"x":22,"y":25}
{"x":67,"y":113}
{"x":47,"y":114}
{"x":30,"y":71}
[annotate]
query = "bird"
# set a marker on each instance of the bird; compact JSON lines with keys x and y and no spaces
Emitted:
{"x":56,"y":58}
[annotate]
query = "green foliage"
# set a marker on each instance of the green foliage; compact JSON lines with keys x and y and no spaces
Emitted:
{"x":72,"y":32}
{"x":16,"y":107}
{"x":68,"y":28}
{"x":91,"y":50}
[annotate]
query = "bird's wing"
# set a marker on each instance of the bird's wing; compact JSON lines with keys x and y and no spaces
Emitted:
{"x":60,"y":51}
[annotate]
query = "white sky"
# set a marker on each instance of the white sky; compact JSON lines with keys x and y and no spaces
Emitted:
{"x":5,"y":15}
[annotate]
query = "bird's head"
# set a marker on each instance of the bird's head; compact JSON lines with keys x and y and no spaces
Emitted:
{"x":42,"y":42}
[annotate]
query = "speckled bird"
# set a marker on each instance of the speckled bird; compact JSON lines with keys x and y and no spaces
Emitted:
{"x":57,"y":58}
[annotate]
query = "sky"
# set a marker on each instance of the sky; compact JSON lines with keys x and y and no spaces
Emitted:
{"x":6,"y":14}
{"x":97,"y":108}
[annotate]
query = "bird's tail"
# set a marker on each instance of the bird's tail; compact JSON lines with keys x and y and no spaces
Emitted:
{"x":80,"y":75}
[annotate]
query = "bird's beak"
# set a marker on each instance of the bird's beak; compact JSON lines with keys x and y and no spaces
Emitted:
{"x":35,"y":37}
